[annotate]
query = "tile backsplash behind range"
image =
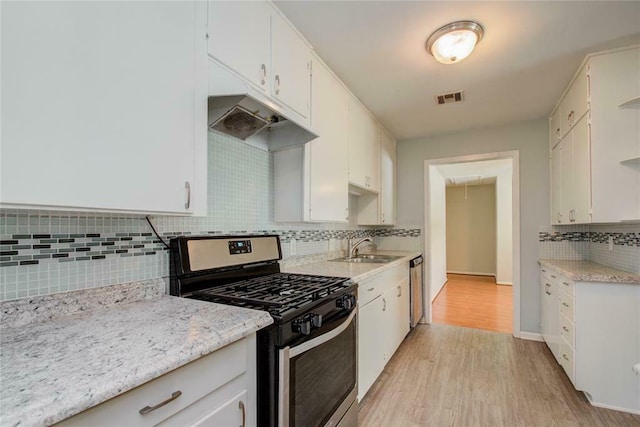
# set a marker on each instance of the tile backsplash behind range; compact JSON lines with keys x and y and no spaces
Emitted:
{"x":45,"y":252}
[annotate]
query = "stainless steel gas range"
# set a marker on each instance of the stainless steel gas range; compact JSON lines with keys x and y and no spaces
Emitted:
{"x":307,"y":360}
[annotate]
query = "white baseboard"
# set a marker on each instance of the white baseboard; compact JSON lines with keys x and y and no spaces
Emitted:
{"x":471,"y":273}
{"x":531,"y":336}
{"x":615,"y":408}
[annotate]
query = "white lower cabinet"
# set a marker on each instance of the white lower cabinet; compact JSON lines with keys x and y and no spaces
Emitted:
{"x":596,"y":339}
{"x":216,"y":390}
{"x":383,"y":322}
{"x":370,"y":356}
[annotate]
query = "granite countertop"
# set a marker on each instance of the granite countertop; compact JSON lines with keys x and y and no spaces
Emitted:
{"x":57,"y":367}
{"x":588,"y":271}
{"x":356,"y":271}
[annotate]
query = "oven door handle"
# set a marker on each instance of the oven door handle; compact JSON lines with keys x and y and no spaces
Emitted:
{"x":308,"y":345}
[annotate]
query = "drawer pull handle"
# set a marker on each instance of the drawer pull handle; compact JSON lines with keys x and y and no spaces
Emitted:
{"x":564,"y":356}
{"x":174,"y":396}
{"x":547,"y":292}
{"x":565,"y":283}
{"x":553,"y":276}
{"x":244,"y":414}
{"x":565,"y":304}
{"x":370,"y":289}
{"x":399,"y":291}
{"x":565,"y":329}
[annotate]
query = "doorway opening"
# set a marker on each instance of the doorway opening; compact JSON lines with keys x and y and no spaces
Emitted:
{"x":472,"y":241}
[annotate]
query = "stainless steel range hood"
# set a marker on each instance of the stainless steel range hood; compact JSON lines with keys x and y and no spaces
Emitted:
{"x":237,"y":109}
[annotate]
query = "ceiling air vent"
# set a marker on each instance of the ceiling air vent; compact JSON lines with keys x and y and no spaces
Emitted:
{"x":449,"y":98}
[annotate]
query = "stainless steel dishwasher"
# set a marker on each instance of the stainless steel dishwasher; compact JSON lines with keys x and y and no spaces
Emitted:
{"x":416,"y":274}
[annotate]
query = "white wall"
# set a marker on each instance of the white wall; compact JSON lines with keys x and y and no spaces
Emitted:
{"x":504,"y":229}
{"x":437,"y":251}
{"x":530,"y":139}
{"x":471,"y":229}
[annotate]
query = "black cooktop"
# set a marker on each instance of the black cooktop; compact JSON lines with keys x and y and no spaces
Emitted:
{"x":281,"y":294}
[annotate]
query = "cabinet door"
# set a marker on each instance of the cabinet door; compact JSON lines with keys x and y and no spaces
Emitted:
{"x":290,"y":63}
{"x":239,"y":38}
{"x":364,"y":148}
{"x":575,"y":103}
{"x":566,"y":171}
{"x":328,"y":183}
{"x":581,"y":174}
{"x":554,"y":128}
{"x":388,"y":180}
{"x":231,"y":413}
{"x":98,"y":104}
{"x":551,"y":314}
{"x":556,"y":185}
{"x":370,"y":356}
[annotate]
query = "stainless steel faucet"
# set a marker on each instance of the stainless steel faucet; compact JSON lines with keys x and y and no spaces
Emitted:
{"x":353,"y":248}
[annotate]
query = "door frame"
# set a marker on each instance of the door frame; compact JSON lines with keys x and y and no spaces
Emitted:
{"x":514,"y":156}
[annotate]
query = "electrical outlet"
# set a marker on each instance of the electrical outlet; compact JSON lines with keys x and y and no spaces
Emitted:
{"x":610,"y":243}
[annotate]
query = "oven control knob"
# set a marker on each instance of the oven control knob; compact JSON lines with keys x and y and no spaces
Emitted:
{"x":316,"y":320}
{"x":302,"y":326}
{"x":347,"y":302}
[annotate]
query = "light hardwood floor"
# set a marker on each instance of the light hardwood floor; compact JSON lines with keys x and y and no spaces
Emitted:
{"x":451,"y":376}
{"x":474,"y":302}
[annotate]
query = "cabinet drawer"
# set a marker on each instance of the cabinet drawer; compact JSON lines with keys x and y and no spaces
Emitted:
{"x":567,"y":360}
{"x":566,"y":306}
{"x":374,"y":286}
{"x":194,"y":380}
{"x":567,"y":286}
{"x":567,"y":331}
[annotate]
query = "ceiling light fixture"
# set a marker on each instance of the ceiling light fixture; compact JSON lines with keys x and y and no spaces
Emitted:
{"x":455,"y":41}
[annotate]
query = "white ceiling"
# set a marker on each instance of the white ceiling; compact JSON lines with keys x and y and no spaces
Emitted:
{"x":528,"y":55}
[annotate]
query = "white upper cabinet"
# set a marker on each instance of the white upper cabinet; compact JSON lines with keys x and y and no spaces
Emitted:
{"x":239,"y":38}
{"x":575,"y":103}
{"x":311,"y":182}
{"x":364,"y":148}
{"x":595,"y":181}
{"x":254,"y":40}
{"x":388,"y":179}
{"x":380,"y":208}
{"x":329,"y":189}
{"x":290,"y":63}
{"x":103,"y":105}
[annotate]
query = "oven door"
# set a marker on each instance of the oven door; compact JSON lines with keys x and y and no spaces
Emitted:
{"x":317,"y":379}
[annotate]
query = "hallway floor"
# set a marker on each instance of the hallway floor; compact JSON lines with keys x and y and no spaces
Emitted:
{"x":474,"y":302}
{"x":450,"y":376}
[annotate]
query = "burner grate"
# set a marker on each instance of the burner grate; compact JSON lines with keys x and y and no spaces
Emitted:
{"x":279,"y":291}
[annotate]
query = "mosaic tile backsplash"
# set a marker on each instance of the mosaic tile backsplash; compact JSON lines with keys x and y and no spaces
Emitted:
{"x":593,"y":243}
{"x":43,"y":252}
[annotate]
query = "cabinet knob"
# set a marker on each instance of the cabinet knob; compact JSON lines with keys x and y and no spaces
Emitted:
{"x":277,"y":85}
{"x":384,"y":304}
{"x":565,"y":329}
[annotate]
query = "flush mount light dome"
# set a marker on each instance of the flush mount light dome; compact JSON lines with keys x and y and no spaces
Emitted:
{"x":455,"y":41}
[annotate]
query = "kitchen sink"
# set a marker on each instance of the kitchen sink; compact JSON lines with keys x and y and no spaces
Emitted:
{"x":369,"y":259}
